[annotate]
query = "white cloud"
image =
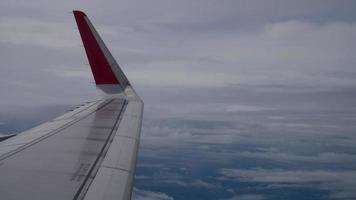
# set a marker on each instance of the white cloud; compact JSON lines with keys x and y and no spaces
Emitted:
{"x":149,"y":195}
{"x":339,"y":183}
{"x":189,"y":183}
{"x":325,"y":157}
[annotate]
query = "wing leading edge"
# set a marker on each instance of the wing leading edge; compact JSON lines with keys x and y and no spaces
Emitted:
{"x":88,"y":153}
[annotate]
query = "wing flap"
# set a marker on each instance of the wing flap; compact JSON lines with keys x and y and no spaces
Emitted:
{"x":115,"y":176}
{"x":121,"y":154}
{"x":110,"y":184}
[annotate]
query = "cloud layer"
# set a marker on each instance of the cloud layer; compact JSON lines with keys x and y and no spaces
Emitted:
{"x":238,"y":94}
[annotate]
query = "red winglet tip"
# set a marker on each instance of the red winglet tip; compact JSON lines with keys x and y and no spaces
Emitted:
{"x":79,"y":13}
{"x":99,"y":64}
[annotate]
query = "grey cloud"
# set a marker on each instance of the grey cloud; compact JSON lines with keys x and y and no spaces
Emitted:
{"x":247,"y":197}
{"x":286,"y":51}
{"x":22,"y":31}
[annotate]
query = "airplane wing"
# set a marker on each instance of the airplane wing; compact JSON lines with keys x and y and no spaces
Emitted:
{"x":88,"y":153}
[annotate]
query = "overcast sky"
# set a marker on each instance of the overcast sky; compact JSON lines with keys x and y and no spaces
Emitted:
{"x":306,"y":45}
{"x":251,"y":67}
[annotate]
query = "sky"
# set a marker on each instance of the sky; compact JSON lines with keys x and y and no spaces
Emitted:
{"x":243,"y":99}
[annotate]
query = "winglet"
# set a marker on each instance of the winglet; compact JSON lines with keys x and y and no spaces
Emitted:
{"x":105,"y":69}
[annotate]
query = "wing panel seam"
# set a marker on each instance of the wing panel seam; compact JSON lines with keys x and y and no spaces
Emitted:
{"x":51,"y":133}
{"x":97,"y":163}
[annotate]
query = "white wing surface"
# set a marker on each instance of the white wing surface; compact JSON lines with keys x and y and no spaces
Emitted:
{"x":89,"y":153}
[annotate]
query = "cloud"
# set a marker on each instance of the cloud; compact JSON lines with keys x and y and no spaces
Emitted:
{"x":45,"y":33}
{"x":37,"y":32}
{"x":149,"y":195}
{"x":277,"y":155}
{"x":68,"y":72}
{"x":185,"y":132}
{"x":247,"y":197}
{"x":287,"y":53}
{"x":280,"y":52}
{"x":225,"y":81}
{"x":189,"y":183}
{"x":339,"y":183}
{"x":182,"y":77}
